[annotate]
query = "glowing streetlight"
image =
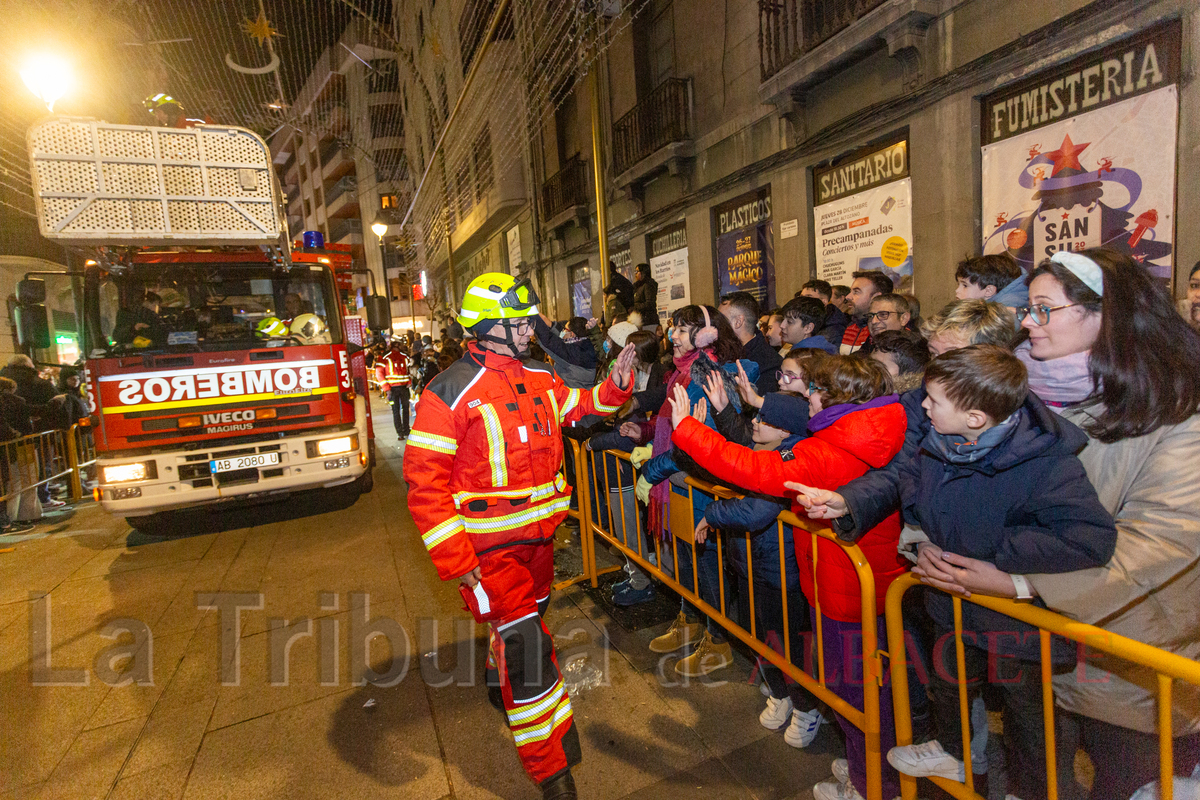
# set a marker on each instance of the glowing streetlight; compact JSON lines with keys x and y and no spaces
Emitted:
{"x":379,"y":227}
{"x":48,"y":77}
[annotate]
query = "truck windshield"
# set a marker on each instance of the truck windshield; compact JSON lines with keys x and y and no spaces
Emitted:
{"x":189,"y":307}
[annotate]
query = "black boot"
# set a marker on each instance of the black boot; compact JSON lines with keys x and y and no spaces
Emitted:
{"x":560,"y":787}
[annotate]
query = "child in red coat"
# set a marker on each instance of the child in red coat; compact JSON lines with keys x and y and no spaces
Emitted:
{"x":856,"y":425}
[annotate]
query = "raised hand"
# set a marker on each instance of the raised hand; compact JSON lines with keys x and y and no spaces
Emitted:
{"x":714,"y":389}
{"x":623,"y":371}
{"x":746,"y":389}
{"x":681,"y":405}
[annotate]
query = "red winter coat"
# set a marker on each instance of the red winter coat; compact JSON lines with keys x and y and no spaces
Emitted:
{"x":482,"y":462}
{"x":828,"y":459}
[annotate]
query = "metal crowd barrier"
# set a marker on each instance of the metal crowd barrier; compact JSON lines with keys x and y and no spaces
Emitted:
{"x":682,"y":528}
{"x":28,"y":462}
{"x":1168,"y":667}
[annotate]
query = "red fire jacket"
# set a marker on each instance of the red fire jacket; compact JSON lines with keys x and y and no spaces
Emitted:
{"x":482,"y":462}
{"x":392,"y":370}
{"x":830,"y":458}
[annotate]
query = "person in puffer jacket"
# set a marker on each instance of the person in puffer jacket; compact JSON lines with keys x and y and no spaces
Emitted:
{"x":856,"y":425}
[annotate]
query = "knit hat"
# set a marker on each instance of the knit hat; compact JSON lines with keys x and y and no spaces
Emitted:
{"x":619,"y":333}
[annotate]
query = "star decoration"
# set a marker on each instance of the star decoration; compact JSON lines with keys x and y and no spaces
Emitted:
{"x":1066,"y":156}
{"x":1066,"y":215}
{"x":260,"y":30}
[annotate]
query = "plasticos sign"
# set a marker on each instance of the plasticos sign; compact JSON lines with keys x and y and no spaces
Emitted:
{"x":744,"y":247}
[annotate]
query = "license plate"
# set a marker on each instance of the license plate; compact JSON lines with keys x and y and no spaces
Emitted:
{"x":243,"y":462}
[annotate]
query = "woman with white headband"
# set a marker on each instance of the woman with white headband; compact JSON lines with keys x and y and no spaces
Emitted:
{"x":1108,"y":351}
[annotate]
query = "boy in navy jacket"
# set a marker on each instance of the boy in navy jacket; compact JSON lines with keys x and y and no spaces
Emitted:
{"x":996,"y":479}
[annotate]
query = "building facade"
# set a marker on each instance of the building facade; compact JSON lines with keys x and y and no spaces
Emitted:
{"x":754,"y":146}
{"x":342,"y":167}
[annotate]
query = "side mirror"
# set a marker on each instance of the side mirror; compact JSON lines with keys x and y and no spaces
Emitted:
{"x":33,"y":325}
{"x":31,"y":292}
{"x":379,"y":312}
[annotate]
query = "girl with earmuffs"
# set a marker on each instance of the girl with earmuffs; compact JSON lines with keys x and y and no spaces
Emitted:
{"x":702,"y":343}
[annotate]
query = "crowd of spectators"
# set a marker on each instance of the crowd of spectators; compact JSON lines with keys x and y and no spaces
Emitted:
{"x":33,"y":401}
{"x":1038,"y":439}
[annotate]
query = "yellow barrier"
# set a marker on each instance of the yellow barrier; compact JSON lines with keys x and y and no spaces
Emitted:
{"x":681,"y":527}
{"x":1169,"y":667}
{"x":39,"y":458}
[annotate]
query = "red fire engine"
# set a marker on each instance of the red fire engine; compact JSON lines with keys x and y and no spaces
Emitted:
{"x":219,"y":366}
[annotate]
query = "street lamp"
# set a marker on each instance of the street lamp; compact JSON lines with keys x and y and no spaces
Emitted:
{"x":48,"y":77}
{"x":379,"y":227}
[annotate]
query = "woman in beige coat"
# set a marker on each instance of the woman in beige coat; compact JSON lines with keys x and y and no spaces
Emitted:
{"x":1108,"y":350}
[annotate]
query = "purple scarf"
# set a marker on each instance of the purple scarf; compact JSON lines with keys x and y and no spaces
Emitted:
{"x":1059,"y":382}
{"x":828,"y":416}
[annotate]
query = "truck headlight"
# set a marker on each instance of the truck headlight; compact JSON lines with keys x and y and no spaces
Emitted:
{"x":124,"y":473}
{"x":332,"y":447}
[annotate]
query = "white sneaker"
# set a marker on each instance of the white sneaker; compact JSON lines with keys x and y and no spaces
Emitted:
{"x":926,"y":760}
{"x":804,"y":727}
{"x":835,"y":790}
{"x":841,"y":770}
{"x":776,"y":714}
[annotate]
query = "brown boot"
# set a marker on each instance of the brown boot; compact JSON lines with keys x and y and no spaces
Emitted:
{"x":707,"y":657}
{"x":680,"y":634}
{"x":559,"y":787}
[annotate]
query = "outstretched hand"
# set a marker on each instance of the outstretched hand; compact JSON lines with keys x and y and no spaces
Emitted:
{"x":623,"y":371}
{"x":714,"y":389}
{"x":681,"y":407}
{"x":746,"y":389}
{"x":819,"y":503}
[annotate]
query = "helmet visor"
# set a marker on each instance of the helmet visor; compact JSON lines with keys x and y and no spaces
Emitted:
{"x":513,"y":301}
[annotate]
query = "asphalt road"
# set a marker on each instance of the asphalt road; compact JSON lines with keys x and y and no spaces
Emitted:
{"x":154,"y":686}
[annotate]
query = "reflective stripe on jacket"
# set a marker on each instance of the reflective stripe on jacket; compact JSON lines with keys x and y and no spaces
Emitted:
{"x":484,"y":457}
{"x":392,"y":370}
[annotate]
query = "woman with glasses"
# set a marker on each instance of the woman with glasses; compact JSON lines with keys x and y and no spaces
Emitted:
{"x":1108,"y":351}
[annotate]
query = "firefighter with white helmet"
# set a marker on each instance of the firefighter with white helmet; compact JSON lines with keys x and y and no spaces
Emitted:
{"x":486,"y":492}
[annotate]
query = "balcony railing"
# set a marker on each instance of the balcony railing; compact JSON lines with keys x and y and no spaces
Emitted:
{"x":787,"y":29}
{"x":658,"y":120}
{"x":565,"y":189}
{"x":339,"y":229}
{"x":346,"y":184}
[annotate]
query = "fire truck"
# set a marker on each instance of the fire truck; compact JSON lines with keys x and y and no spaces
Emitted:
{"x":221,"y":365}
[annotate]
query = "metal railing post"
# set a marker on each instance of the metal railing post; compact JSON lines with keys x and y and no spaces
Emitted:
{"x":76,"y":480}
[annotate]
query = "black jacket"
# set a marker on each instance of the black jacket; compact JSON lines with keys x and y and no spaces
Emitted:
{"x":622,"y":287}
{"x":645,"y":300}
{"x":575,"y":362}
{"x":836,"y":322}
{"x":32,"y":389}
{"x":1026,"y":506}
{"x":769,"y":361}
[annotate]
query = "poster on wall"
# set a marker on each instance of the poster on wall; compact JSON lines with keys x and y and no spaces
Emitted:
{"x":668,"y":251}
{"x":862,"y":215}
{"x":744,"y":247}
{"x":622,"y":259}
{"x":1083,"y":155}
{"x":581,"y":291}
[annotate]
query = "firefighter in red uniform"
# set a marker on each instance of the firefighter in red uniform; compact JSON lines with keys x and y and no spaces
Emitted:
{"x":486,"y":492}
{"x":392,"y":373}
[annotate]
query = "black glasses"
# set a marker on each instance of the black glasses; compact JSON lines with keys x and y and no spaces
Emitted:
{"x":1040,"y":313}
{"x":882,"y":316}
